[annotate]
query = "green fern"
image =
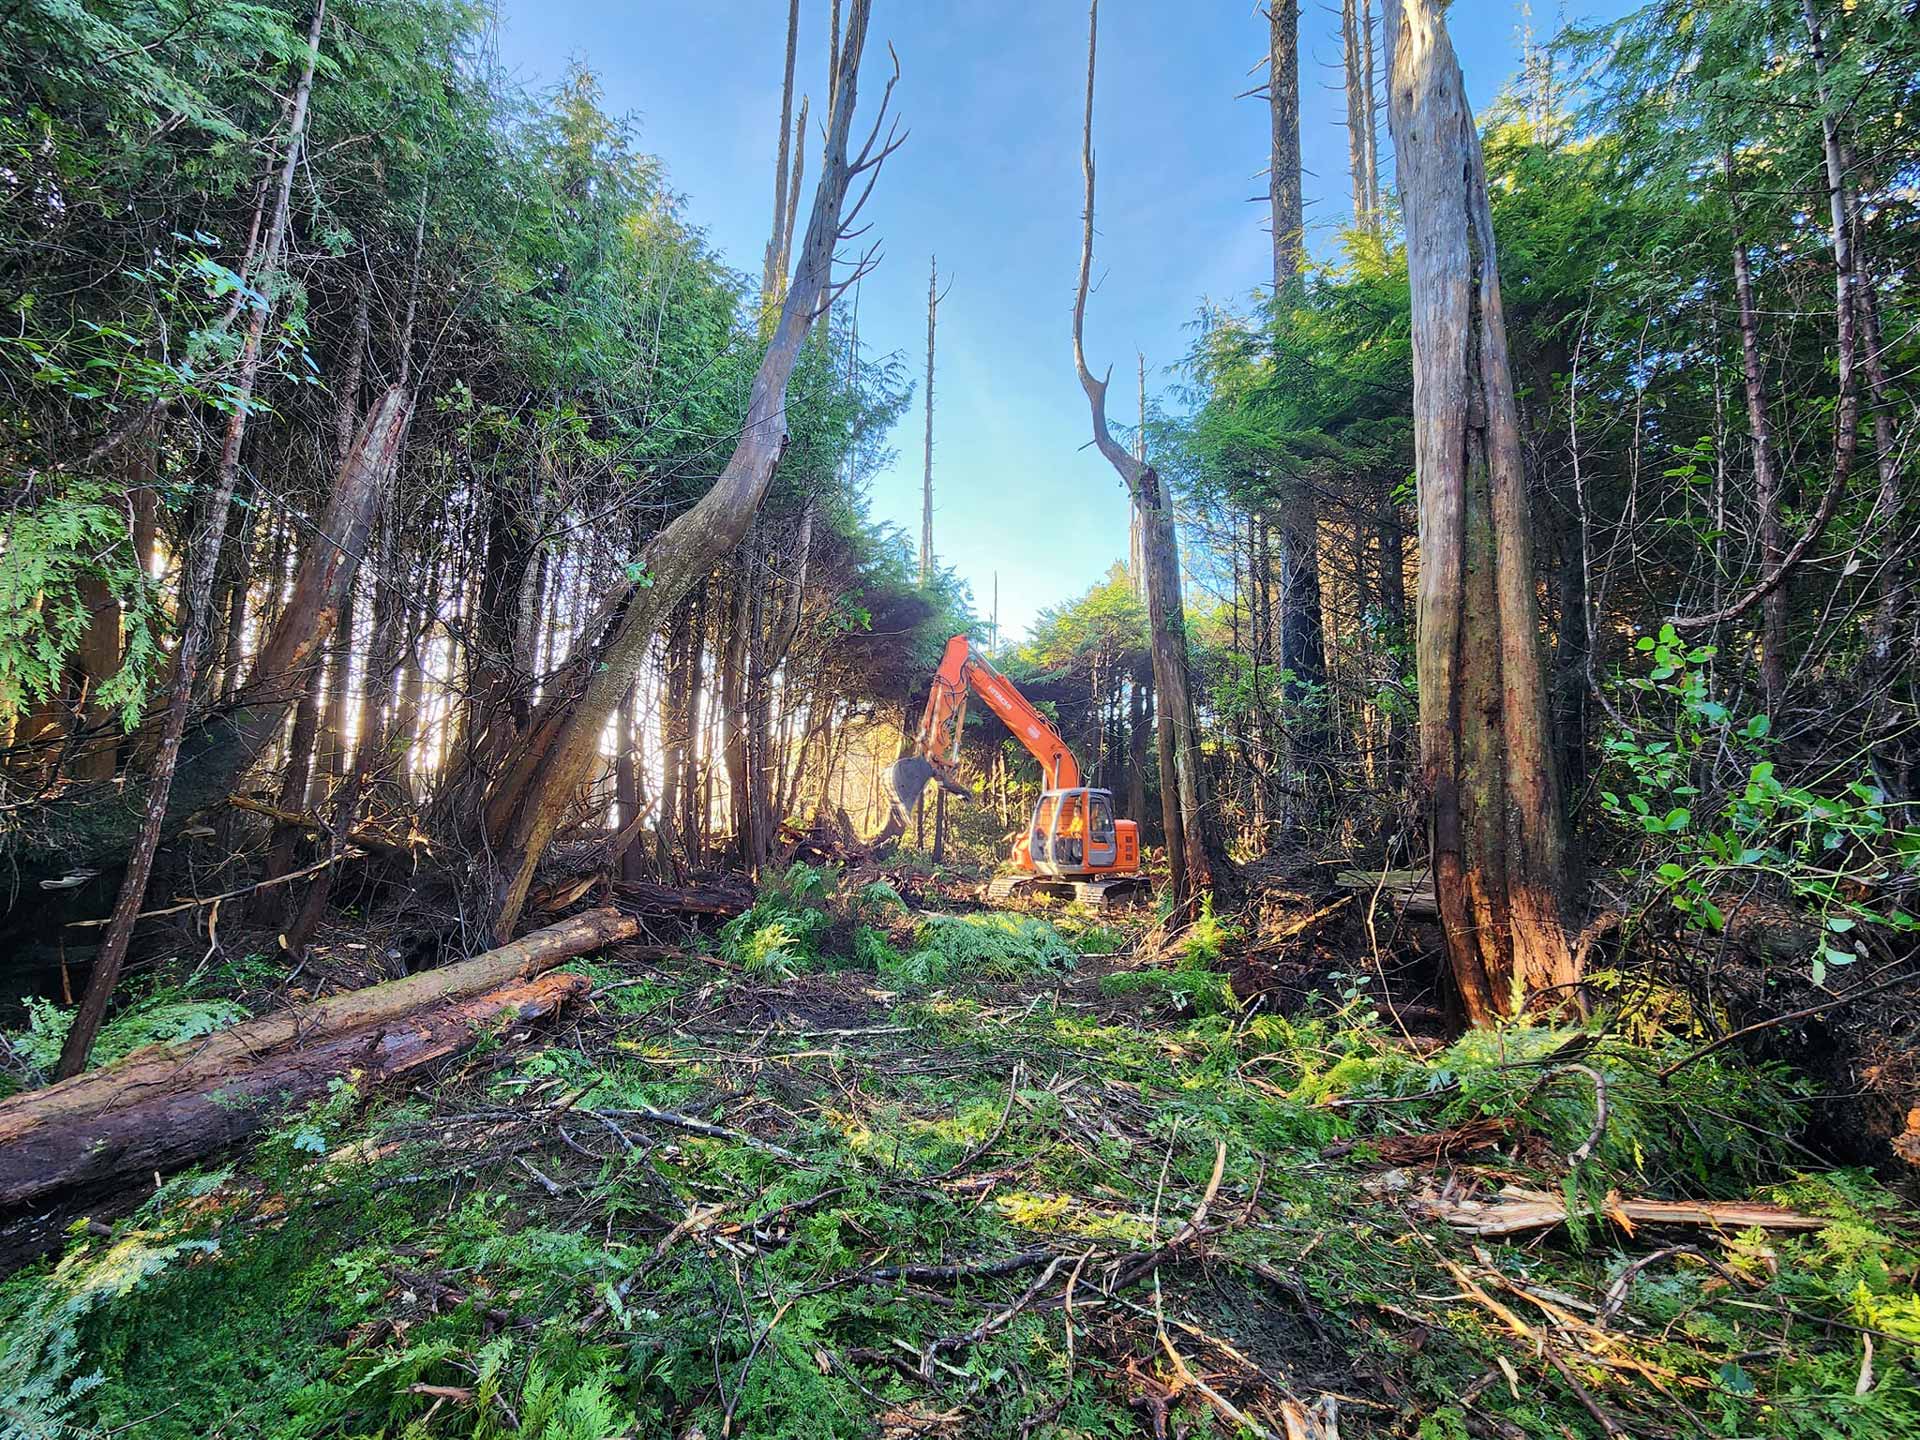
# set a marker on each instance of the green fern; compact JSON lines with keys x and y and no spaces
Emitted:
{"x":162,"y":1018}
{"x":46,"y":553}
{"x":984,"y":947}
{"x":40,"y":1320}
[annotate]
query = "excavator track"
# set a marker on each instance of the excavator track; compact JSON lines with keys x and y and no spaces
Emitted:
{"x":1109,"y":893}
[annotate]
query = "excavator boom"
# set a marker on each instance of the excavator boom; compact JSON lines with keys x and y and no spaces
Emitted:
{"x":938,"y":739}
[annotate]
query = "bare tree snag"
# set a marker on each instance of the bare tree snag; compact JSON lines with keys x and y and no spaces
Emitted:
{"x":697,"y":541}
{"x":773,"y":274}
{"x":1372,"y":115}
{"x":1182,"y":783}
{"x":1359,"y":90}
{"x":1283,"y":174}
{"x":202,"y":563}
{"x":1499,"y":847}
{"x":934,"y":297}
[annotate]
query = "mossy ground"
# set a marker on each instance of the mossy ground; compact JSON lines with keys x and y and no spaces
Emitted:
{"x":523,"y":1247}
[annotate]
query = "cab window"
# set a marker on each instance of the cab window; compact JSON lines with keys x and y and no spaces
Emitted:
{"x":1101,"y":831}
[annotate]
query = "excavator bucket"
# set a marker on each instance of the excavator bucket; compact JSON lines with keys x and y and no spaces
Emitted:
{"x":906,"y":779}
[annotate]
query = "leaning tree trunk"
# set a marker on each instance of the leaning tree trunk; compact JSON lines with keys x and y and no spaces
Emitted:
{"x":1189,"y":851}
{"x":698,"y":540}
{"x":1499,"y":848}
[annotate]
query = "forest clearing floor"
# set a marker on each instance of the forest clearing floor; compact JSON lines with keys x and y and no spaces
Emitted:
{"x":851,"y":1167}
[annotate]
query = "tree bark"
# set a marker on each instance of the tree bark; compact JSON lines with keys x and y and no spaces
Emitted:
{"x":1499,"y":850}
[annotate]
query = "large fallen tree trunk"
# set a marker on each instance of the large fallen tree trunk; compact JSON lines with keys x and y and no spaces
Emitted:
{"x":126,"y":1148}
{"x":165,"y":1105}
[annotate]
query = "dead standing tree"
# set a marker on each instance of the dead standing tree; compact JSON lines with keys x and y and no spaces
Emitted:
{"x":934,"y":296}
{"x":1183,"y":805}
{"x":1303,"y":652}
{"x":539,"y":783}
{"x":1499,"y":846}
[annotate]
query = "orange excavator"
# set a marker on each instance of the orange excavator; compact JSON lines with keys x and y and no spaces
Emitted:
{"x":1074,"y":847}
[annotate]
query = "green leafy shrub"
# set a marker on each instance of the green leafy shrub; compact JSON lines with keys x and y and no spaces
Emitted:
{"x":878,"y":898}
{"x":1099,"y":940}
{"x":1207,"y":939}
{"x":777,"y":936}
{"x":1194,"y":984}
{"x":1700,"y":788}
{"x":40,"y":1320}
{"x":874,"y":950}
{"x":983,"y":947}
{"x":1186,"y":987}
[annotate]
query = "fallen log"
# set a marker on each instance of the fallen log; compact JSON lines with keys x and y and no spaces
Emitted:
{"x":88,"y":1166}
{"x":1519,"y":1210}
{"x":721,"y":896}
{"x":1409,"y":891}
{"x":83,"y":1130}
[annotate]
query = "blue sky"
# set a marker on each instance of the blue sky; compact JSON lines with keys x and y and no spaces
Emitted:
{"x":989,"y":179}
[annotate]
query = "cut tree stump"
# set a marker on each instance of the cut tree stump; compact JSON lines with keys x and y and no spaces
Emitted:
{"x":165,"y":1105}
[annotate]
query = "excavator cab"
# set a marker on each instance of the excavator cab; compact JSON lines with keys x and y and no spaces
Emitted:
{"x":1076,"y":849}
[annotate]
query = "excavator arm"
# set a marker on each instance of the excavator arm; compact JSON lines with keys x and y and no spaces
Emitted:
{"x":961,"y":673}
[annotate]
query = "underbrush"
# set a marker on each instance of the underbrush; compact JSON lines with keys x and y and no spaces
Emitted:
{"x":1195,"y":984}
{"x":665,"y":1219}
{"x":809,"y":918}
{"x":164,"y":1015}
{"x":1714,"y":1127}
{"x":985,"y":947}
